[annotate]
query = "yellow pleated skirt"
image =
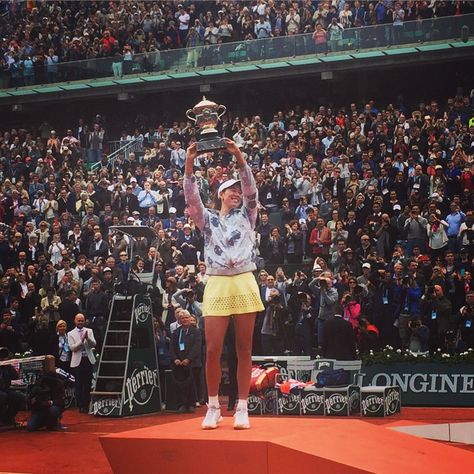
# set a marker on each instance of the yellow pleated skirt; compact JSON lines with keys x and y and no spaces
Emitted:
{"x":231,"y":295}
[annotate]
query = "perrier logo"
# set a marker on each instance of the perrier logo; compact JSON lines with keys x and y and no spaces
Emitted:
{"x":141,"y":313}
{"x":336,"y":403}
{"x":140,"y":386}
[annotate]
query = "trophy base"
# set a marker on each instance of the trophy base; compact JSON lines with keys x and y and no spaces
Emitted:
{"x":211,"y":144}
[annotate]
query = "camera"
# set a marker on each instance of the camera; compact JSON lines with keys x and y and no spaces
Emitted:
{"x":414,"y":324}
{"x":450,"y":337}
{"x":406,"y":280}
{"x":275,"y":299}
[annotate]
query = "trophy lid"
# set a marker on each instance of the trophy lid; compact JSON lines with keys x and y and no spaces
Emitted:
{"x":204,"y":104}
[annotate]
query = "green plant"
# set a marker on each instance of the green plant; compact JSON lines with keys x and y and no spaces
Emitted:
{"x":389,"y":355}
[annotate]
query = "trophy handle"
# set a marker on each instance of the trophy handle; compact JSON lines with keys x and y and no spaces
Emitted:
{"x":223,"y":108}
{"x":191,"y":117}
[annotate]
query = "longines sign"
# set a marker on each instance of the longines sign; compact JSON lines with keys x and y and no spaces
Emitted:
{"x":426,"y":384}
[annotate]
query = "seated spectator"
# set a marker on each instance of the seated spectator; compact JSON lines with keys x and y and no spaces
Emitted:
{"x":11,"y":401}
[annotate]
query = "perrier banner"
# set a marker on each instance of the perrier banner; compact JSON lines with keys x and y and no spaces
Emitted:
{"x":142,"y":385}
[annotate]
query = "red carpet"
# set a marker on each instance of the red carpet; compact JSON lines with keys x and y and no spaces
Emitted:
{"x":78,"y":450}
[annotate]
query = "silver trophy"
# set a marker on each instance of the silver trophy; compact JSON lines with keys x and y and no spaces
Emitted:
{"x":206,"y":116}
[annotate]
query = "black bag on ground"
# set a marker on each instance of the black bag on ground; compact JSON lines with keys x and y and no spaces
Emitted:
{"x":333,"y":378}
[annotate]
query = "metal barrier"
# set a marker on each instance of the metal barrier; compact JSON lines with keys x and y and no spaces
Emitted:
{"x":120,"y":149}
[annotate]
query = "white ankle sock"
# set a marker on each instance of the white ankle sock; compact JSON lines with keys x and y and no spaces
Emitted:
{"x":242,"y":404}
{"x":213,"y":402}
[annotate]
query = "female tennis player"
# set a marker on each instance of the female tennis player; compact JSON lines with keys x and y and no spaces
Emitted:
{"x":231,"y":291}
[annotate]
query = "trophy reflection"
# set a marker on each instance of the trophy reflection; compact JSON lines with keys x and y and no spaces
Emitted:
{"x":206,"y":116}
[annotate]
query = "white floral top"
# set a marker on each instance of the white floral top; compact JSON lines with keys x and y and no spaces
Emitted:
{"x":229,"y":241}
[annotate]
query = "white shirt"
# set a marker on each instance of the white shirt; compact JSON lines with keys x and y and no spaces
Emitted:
{"x":183,"y":22}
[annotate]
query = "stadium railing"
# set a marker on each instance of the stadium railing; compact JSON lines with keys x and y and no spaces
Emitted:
{"x":212,"y":57}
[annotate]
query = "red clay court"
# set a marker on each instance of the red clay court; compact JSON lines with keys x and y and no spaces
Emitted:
{"x":78,"y":450}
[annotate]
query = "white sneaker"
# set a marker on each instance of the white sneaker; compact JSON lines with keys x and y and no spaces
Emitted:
{"x":241,"y":419}
{"x":213,"y":416}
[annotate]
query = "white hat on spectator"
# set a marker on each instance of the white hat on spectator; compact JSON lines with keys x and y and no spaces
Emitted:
{"x":317,"y":268}
{"x":397,"y":207}
{"x":133,"y":180}
{"x":366,"y":265}
{"x":302,"y":221}
{"x":106,"y":269}
{"x":172,"y":210}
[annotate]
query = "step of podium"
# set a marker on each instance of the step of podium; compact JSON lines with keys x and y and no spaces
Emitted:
{"x":276,"y":445}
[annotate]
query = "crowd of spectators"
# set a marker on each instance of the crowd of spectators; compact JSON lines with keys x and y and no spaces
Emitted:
{"x":36,"y":36}
{"x":365,"y":211}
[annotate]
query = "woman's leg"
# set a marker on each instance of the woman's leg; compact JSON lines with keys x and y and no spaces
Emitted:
{"x":244,"y":324}
{"x":215,"y":329}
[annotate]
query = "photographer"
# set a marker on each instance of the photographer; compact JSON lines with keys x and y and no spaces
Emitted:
{"x":453,"y":343}
{"x":436,"y":312}
{"x":186,"y":298}
{"x":351,"y":308}
{"x":46,"y":400}
{"x":410,"y":301}
{"x":304,"y":316}
{"x":275,"y":325}
{"x":465,"y":321}
{"x":466,"y":233}
{"x":419,"y":335}
{"x":328,"y":298}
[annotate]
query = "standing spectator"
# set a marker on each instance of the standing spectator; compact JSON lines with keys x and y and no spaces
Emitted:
{"x":320,"y":239}
{"x":183,"y":24}
{"x":292,"y":21}
{"x":328,"y":298}
{"x":81,"y":341}
{"x":62,"y":351}
{"x":275,"y":324}
{"x":320,"y":39}
{"x":466,"y":233}
{"x":465,"y":321}
{"x":185,"y":352}
{"x":436,"y":312}
{"x":454,"y":219}
{"x":437,"y":238}
{"x":415,"y":227}
{"x":398,"y":17}
{"x":338,"y":341}
{"x":96,"y":143}
{"x":294,"y":242}
{"x":334,"y":32}
{"x":52,"y":66}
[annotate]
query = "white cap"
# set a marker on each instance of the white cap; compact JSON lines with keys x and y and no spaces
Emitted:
{"x":397,"y":207}
{"x":227,"y":184}
{"x":366,"y":265}
{"x":302,"y":221}
{"x":106,"y":269}
{"x":172,"y":210}
{"x":186,"y":226}
{"x":133,"y":180}
{"x":317,"y":268}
